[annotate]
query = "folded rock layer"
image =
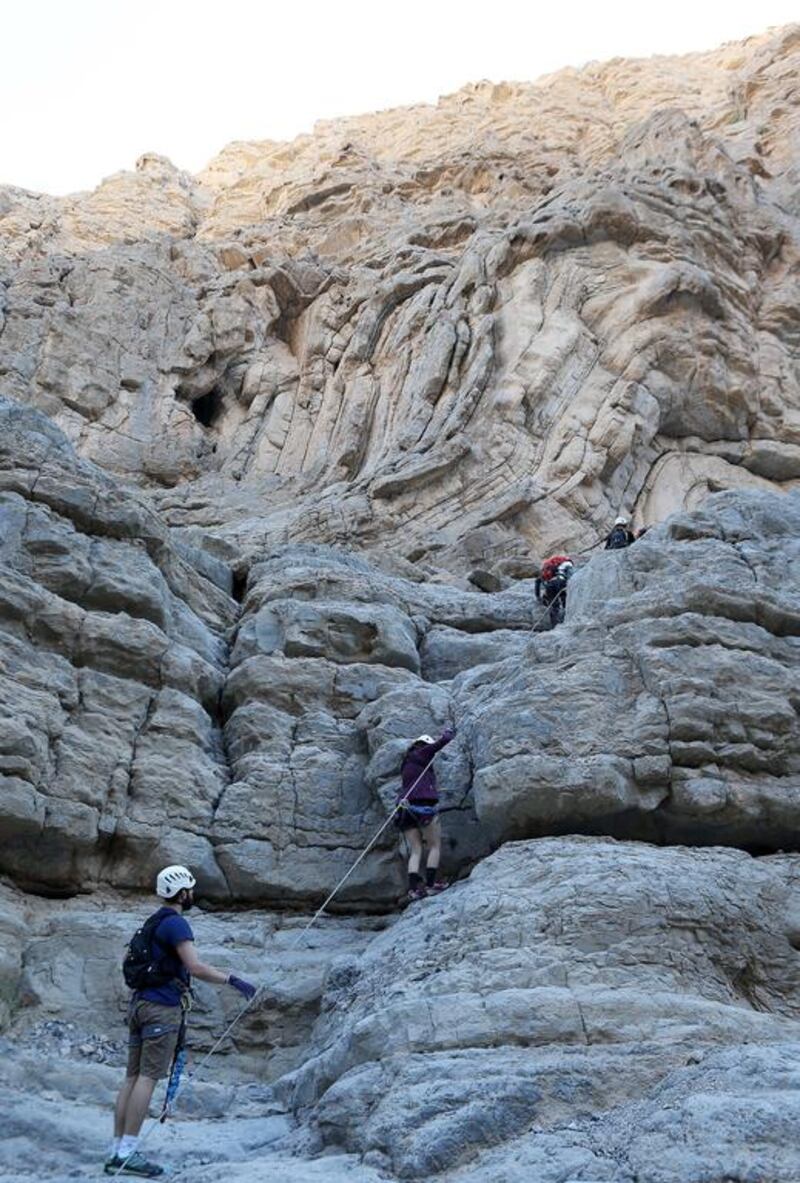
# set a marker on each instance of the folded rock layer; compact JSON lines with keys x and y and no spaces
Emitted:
{"x":483,"y":326}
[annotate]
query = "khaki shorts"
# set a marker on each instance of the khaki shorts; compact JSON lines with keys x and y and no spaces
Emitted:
{"x":152,"y":1038}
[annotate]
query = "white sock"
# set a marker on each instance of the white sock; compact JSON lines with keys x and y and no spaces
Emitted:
{"x":113,"y":1149}
{"x":127,"y":1145}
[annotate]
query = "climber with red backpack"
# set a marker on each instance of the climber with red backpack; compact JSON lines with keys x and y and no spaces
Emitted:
{"x":550,"y":588}
{"x":417,"y":813}
{"x":158,"y":967}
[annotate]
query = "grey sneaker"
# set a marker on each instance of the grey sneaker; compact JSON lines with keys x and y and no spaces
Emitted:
{"x":137,"y":1164}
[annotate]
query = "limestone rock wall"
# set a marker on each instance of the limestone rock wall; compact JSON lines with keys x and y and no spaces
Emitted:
{"x":518,"y":311}
{"x":680,"y":661}
{"x":151,"y":716}
{"x":113,"y":657}
{"x":281,"y":446}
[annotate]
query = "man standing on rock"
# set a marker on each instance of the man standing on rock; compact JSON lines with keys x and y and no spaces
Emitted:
{"x":159,"y":965}
{"x":417,"y":813}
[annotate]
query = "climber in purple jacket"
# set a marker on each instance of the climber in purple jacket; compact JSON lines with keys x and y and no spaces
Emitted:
{"x":417,"y":813}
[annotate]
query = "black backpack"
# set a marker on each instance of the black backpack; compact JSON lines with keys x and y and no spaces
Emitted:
{"x":140,"y":967}
{"x":618,"y":538}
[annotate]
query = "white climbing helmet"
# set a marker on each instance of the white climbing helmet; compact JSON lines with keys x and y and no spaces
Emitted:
{"x":620,"y":521}
{"x":424,"y":739}
{"x":170,"y":881}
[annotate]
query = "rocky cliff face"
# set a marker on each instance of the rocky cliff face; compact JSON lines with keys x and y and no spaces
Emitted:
{"x":484,"y":326}
{"x":280,"y":446}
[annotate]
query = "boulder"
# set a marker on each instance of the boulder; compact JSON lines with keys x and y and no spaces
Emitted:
{"x":550,"y":1005}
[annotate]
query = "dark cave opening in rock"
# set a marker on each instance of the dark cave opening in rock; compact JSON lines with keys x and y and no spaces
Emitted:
{"x":239,"y":587}
{"x":207,"y":408}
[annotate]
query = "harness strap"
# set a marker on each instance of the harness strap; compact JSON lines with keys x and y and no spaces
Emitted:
{"x":422,"y":810}
{"x":173,"y":1083}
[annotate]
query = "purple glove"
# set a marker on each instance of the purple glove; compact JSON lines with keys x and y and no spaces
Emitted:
{"x":242,"y":986}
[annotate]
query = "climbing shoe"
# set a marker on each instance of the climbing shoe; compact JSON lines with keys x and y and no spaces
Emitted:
{"x":137,"y":1164}
{"x":437,"y":886}
{"x":418,"y":893}
{"x":112,"y":1165}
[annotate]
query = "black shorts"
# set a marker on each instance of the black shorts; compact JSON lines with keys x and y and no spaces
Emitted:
{"x":410,"y":818}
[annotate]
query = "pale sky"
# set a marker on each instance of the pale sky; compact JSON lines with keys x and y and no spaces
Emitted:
{"x":87,"y":86}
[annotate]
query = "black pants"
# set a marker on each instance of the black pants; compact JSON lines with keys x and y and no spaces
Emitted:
{"x":554,"y":596}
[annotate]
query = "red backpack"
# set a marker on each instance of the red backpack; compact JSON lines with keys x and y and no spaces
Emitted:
{"x":550,"y":566}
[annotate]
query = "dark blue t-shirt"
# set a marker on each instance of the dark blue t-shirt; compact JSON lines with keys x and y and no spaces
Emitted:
{"x":169,"y":932}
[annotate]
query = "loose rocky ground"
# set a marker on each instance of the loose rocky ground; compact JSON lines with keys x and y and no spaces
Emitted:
{"x":561,"y":1014}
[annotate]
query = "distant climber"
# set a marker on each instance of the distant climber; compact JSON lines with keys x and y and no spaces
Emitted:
{"x":158,"y":966}
{"x":417,"y":814}
{"x":551,"y":586}
{"x":620,"y":536}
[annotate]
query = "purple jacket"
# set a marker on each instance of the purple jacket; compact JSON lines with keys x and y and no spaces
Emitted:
{"x":412,"y":767}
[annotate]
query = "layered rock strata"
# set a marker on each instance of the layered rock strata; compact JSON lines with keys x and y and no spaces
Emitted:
{"x":488,"y":324}
{"x":149,"y":716}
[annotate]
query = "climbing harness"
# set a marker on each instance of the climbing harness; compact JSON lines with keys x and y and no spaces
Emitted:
{"x":191,"y":1076}
{"x":423,"y":814}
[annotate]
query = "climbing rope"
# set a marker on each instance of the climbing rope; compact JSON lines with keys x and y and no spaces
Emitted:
{"x":190,"y":1076}
{"x":588,"y":549}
